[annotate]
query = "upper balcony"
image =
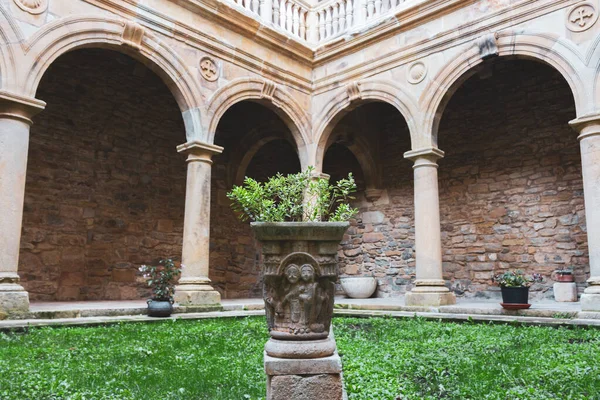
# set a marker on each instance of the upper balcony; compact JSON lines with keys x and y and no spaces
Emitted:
{"x":317,"y":23}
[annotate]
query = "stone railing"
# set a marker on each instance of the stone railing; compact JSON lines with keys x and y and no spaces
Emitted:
{"x":317,"y":24}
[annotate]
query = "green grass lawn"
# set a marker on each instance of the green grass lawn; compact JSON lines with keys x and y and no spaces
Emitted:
{"x":222,"y":359}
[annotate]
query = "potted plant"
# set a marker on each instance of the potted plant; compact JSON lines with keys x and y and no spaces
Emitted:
{"x":161,"y":278}
{"x":514,"y":286}
{"x":563,"y":275}
{"x":299,"y":219}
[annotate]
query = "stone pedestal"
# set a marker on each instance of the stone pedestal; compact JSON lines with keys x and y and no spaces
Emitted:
{"x":304,"y":379}
{"x":194,"y":288}
{"x":300,"y":268}
{"x":430,"y":288}
{"x":589,"y":142}
{"x":15,"y":120}
{"x":565,"y":291}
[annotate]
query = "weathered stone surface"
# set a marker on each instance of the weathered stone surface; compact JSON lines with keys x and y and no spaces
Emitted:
{"x":305,"y":387}
{"x":565,"y":291}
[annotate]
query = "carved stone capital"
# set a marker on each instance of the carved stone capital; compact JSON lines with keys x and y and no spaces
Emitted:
{"x":199,"y":151}
{"x":373,"y":194}
{"x":19,"y":107}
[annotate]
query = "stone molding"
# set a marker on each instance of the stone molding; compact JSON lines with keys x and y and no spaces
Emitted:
{"x":19,"y":107}
{"x":73,"y":32}
{"x":430,"y":153}
{"x":543,"y":47}
{"x":586,"y":126}
{"x":279,"y":100}
{"x":198,"y":151}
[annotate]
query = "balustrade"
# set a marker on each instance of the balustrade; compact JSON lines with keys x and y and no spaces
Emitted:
{"x":321,"y":22}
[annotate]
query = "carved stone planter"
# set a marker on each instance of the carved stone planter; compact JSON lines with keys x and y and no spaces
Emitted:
{"x":300,"y":268}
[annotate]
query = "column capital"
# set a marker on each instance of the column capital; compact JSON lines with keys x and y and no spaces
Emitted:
{"x":21,"y":108}
{"x":586,"y":126}
{"x":425,"y":157}
{"x":199,"y":151}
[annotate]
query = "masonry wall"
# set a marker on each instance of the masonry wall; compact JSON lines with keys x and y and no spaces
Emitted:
{"x":105,"y":187}
{"x":511,"y":192}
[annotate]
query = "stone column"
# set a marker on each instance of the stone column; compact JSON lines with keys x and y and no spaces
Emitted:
{"x":589,"y":142}
{"x":15,"y":119}
{"x":194,"y":287}
{"x":430,"y":289}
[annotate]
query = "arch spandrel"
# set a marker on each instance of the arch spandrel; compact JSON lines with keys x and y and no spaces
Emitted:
{"x":269,"y":94}
{"x":544,"y":48}
{"x":126,"y":37}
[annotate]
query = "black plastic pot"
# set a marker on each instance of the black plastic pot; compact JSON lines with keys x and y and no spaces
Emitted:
{"x":515,"y":295}
{"x":159,"y":308}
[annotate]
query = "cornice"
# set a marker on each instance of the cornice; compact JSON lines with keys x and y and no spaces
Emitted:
{"x":226,"y":15}
{"x":403,"y":20}
{"x":504,"y":18}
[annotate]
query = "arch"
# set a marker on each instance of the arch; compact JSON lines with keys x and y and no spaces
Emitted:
{"x":71,"y":33}
{"x":351,"y":97}
{"x":269,"y":94}
{"x":544,"y":48}
{"x":369,"y":166}
{"x":10,"y":37}
{"x":249,"y":146}
{"x":593,"y":62}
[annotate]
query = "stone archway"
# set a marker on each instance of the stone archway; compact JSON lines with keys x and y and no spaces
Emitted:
{"x":105,"y":187}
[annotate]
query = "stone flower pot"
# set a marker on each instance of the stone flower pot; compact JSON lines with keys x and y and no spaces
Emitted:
{"x":359,"y":287}
{"x":300,"y":268}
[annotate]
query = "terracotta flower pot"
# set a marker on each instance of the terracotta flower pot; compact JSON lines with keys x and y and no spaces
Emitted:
{"x":563,"y":277}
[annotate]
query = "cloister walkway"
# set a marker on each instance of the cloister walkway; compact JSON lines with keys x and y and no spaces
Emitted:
{"x":543,"y":312}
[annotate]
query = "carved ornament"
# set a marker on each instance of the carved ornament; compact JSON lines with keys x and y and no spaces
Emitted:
{"x":353,"y":90}
{"x":32,"y":6}
{"x":582,"y":17}
{"x":209,"y":69}
{"x":268,"y":90}
{"x":133,"y":33}
{"x":417,"y":72}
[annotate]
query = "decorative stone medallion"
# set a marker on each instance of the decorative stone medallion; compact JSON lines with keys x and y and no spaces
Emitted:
{"x":582,"y":17}
{"x":417,"y":72}
{"x":209,"y":69}
{"x":32,"y":6}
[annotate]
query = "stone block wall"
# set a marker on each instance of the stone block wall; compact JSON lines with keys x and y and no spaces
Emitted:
{"x":105,"y":187}
{"x":511,"y":192}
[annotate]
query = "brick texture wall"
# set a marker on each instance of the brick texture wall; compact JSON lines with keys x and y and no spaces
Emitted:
{"x":510,"y":188}
{"x":105,"y":187}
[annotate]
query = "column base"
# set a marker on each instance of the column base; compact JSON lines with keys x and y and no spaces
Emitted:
{"x":590,"y":299}
{"x":197,"y":296}
{"x":14,"y":299}
{"x":432,"y":296}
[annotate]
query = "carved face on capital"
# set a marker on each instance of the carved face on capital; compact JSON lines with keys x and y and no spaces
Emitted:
{"x":307,"y":272}
{"x":292,"y":273}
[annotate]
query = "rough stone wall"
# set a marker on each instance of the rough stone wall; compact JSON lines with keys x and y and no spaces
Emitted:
{"x":105,"y":187}
{"x":380,"y":240}
{"x":511,"y":192}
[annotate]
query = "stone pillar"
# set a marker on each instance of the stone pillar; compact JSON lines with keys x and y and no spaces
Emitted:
{"x":15,"y":120}
{"x":589,"y":141}
{"x":194,"y":287}
{"x":430,"y":289}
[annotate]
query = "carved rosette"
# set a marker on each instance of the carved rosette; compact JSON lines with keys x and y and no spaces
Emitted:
{"x":32,"y":6}
{"x":300,"y":269}
{"x":582,"y":16}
